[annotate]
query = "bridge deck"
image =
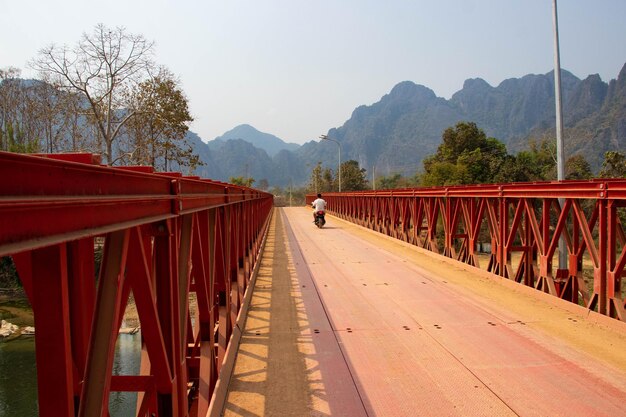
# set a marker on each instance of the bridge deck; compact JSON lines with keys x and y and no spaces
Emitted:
{"x":345,"y":322}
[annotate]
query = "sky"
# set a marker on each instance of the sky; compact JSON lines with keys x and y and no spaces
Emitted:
{"x":296,"y":68}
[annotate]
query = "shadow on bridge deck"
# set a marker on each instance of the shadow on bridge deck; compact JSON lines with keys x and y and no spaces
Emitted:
{"x":347,"y":322}
{"x":289,"y":362}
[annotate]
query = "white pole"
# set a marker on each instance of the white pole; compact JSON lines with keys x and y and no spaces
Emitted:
{"x":557,"y":98}
{"x":560,"y":159}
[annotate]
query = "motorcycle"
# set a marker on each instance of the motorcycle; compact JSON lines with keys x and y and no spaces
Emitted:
{"x":320,"y":221}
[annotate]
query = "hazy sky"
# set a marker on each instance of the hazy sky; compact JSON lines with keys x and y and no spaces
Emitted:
{"x":297,"y":68}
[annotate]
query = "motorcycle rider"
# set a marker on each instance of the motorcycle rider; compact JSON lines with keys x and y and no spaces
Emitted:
{"x":318,"y":204}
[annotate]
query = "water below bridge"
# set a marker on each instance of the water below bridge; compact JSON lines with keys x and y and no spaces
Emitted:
{"x":347,"y":322}
{"x":18,"y":376}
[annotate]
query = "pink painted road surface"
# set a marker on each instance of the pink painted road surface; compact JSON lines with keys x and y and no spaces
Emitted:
{"x":408,"y":341}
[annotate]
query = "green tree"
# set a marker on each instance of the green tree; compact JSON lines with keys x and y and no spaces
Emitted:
{"x":538,"y":163}
{"x":316,"y":181}
{"x":18,"y":142}
{"x":513,"y":169}
{"x":577,"y":168}
{"x":439,"y":173}
{"x":465,"y":156}
{"x":353,"y":178}
{"x":328,"y":181}
{"x":242,"y":181}
{"x":394,"y":181}
{"x":614,"y":165}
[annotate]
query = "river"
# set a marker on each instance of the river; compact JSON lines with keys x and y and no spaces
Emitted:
{"x":18,"y":376}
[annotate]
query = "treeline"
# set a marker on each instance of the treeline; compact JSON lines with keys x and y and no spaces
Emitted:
{"x":467,"y":156}
{"x":106,"y":95}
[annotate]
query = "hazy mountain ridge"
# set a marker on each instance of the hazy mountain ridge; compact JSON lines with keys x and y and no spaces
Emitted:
{"x":396,"y":133}
{"x":269,"y":143}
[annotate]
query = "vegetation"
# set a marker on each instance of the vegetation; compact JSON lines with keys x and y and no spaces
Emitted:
{"x":577,"y":168}
{"x":242,"y":181}
{"x":467,"y":156}
{"x":353,"y":178}
{"x":8,"y":274}
{"x":263,"y":184}
{"x":106,"y":96}
{"x":289,"y":196}
{"x":157,"y":131}
{"x":536,"y":164}
{"x":321,"y":180}
{"x":103,"y":68}
{"x":19,"y":115}
{"x":395,"y":181}
{"x":614,"y":165}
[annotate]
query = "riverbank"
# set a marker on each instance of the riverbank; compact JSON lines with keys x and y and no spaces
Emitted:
{"x":15,"y":308}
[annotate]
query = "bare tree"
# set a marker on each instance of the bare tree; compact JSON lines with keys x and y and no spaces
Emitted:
{"x":103,"y":67}
{"x":78,"y":124}
{"x":52,"y":117}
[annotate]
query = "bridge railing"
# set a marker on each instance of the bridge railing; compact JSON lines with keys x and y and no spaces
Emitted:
{"x":161,"y":238}
{"x":520,"y":223}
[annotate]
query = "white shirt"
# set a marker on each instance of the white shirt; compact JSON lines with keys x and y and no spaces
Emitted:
{"x":319,"y":204}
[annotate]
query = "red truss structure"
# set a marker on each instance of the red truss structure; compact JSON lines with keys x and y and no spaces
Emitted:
{"x":162,"y":237}
{"x":521,"y":222}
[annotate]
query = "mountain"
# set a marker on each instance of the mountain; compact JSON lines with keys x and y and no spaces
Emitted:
{"x":238,"y":158}
{"x":603,"y":130}
{"x":594,"y":116}
{"x":399,"y":131}
{"x":269,"y":143}
{"x":515,"y":106}
{"x":396,"y":133}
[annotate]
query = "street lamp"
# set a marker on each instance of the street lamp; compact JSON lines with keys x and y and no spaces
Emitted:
{"x":324,"y":137}
{"x":560,"y":145}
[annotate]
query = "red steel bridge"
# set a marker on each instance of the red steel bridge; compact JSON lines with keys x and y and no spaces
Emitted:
{"x":168,"y":238}
{"x":524,"y":218}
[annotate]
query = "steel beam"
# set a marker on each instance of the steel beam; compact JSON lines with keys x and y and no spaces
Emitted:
{"x":520,"y":217}
{"x":165,"y":236}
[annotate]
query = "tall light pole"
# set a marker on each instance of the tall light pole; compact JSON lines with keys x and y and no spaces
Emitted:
{"x":557,"y":97}
{"x":324,"y":137}
{"x":560,"y":159}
